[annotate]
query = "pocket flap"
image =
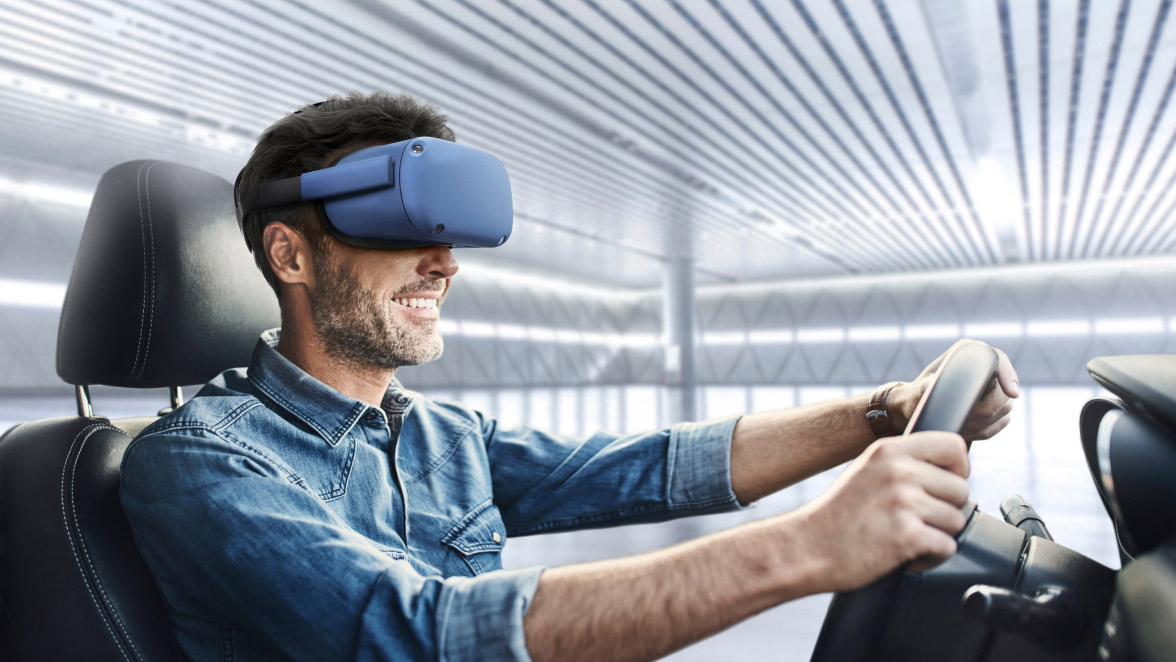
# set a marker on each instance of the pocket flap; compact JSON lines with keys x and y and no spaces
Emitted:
{"x":480,"y":531}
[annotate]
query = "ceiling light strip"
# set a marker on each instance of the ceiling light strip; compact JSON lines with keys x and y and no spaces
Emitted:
{"x":989,"y":255}
{"x":1010,"y":65}
{"x":939,"y":229}
{"x":935,"y":252}
{"x":1100,"y":119}
{"x":1099,"y":229}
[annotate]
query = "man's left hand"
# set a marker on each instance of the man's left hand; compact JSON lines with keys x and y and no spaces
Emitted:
{"x":988,"y":417}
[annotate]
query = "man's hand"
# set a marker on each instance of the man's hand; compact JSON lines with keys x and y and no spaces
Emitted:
{"x":988,"y":417}
{"x":899,"y":501}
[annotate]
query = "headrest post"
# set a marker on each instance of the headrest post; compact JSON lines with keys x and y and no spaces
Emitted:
{"x":177,"y":396}
{"x":85,"y":408}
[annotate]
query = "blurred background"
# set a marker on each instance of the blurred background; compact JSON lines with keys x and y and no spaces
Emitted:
{"x":720,"y":206}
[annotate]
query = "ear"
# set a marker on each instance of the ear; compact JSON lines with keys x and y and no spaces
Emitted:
{"x":288,"y":253}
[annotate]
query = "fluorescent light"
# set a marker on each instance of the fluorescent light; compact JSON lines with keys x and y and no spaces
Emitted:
{"x":820,"y":334}
{"x":773,"y":337}
{"x":638,"y":339}
{"x":512,"y":331}
{"x":995,"y":330}
{"x":41,"y":192}
{"x":478,"y":329}
{"x":1059,"y":328}
{"x":570,"y":336}
{"x":477,"y":272}
{"x":874,"y":333}
{"x":31,"y":293}
{"x":724,"y":338}
{"x":1127,"y":326}
{"x":542,"y":334}
{"x":931,"y":331}
{"x":449,"y":327}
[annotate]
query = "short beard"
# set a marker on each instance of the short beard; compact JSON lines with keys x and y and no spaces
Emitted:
{"x":353,"y":322}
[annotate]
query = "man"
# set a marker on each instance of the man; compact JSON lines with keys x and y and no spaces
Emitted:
{"x":309,"y":507}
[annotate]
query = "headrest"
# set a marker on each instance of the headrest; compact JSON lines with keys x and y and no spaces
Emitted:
{"x":163,"y":291}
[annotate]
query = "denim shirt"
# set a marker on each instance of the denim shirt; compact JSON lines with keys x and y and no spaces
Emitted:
{"x":284,"y":520}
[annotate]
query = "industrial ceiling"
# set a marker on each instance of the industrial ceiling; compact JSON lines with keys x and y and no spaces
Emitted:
{"x":763,"y":140}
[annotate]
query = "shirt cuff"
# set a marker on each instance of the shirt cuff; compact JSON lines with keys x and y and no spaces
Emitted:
{"x":482,"y":618}
{"x":700,"y":466}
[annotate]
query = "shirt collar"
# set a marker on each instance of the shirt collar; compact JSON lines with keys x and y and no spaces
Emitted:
{"x":327,"y":411}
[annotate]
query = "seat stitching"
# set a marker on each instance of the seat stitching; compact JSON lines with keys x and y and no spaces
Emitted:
{"x":85,"y":552}
{"x":143,"y":236}
{"x":151,"y":235}
{"x":73,"y":546}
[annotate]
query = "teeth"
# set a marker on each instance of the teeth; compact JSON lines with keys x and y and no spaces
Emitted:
{"x":413,"y":302}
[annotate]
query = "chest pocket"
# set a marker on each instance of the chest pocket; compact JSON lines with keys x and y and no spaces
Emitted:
{"x":478,"y":538}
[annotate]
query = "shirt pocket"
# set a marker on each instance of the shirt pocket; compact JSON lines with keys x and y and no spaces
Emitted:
{"x":478,"y":539}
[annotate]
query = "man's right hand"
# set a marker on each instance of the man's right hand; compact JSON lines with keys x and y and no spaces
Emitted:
{"x":898,"y":502}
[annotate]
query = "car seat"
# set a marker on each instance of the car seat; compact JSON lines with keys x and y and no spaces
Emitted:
{"x":163,"y":293}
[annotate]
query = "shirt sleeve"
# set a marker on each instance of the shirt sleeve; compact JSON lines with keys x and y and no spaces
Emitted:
{"x":227,"y":531}
{"x":545,"y":482}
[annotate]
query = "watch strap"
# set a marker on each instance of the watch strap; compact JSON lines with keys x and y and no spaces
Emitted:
{"x":877,"y":415}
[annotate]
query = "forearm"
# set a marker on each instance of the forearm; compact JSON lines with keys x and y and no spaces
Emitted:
{"x":644,"y":607}
{"x":772,"y":450}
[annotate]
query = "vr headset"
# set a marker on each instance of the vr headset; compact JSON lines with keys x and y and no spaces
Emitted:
{"x":414,"y":193}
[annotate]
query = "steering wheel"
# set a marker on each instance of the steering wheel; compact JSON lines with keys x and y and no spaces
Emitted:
{"x":856,"y":620}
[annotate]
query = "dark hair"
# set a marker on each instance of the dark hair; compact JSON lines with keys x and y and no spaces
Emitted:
{"x":301,"y":141}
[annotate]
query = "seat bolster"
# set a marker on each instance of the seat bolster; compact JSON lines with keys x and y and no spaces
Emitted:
{"x":74,"y":586}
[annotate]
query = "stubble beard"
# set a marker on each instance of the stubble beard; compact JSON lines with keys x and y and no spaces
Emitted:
{"x":355,"y":326}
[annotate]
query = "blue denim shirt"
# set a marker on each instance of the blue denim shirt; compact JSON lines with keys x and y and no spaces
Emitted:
{"x":285,"y":520}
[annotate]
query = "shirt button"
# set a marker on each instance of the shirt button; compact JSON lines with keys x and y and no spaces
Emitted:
{"x":496,"y":537}
{"x":371,"y":414}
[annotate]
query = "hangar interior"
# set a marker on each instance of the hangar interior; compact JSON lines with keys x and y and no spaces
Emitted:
{"x":720,"y":207}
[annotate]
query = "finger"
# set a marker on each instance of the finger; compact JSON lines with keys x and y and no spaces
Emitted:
{"x":941,"y":484}
{"x":1006,"y":376}
{"x":992,"y":430}
{"x":943,"y":449}
{"x":937,"y":547}
{"x":993,"y":407}
{"x":941,"y":515}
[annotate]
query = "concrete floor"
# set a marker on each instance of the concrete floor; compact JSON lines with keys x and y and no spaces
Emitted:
{"x":1038,"y":456}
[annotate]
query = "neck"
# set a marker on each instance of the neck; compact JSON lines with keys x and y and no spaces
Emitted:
{"x":303,"y":347}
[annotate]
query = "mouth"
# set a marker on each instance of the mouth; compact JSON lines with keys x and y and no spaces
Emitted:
{"x":424,"y":307}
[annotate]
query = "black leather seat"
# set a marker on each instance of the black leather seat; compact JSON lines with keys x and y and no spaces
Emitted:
{"x":163,"y":293}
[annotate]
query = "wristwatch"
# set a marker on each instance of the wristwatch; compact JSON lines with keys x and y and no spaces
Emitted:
{"x":876,"y":414}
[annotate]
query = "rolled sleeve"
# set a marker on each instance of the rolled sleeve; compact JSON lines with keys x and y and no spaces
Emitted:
{"x":545,"y":483}
{"x":700,"y":466}
{"x":482,"y":619}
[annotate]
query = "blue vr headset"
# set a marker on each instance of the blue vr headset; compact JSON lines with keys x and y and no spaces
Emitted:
{"x":418,"y":192}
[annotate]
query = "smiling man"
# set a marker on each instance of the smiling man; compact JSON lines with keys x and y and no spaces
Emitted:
{"x":309,"y":507}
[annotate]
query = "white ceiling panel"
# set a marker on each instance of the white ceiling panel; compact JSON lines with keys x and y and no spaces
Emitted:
{"x":764,"y":140}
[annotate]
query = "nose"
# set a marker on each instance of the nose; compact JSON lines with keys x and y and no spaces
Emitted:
{"x":437,"y":262}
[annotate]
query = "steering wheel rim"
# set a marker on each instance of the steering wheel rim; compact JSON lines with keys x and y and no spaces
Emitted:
{"x":854,"y":623}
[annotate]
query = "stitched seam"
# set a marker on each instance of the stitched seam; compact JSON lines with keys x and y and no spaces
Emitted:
{"x":151,"y":234}
{"x":346,"y":425}
{"x":143,"y":237}
{"x":293,"y":409}
{"x":226,"y":437}
{"x":444,"y":457}
{"x":235,"y":415}
{"x":73,"y":546}
{"x":86,"y":553}
{"x":342,"y":489}
{"x":587,"y":519}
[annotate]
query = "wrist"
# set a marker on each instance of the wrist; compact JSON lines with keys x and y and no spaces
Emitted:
{"x":799,"y":563}
{"x":901,"y":404}
{"x":882,"y":414}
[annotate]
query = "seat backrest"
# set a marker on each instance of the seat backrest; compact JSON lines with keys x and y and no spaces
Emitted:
{"x":163,"y":293}
{"x":74,"y":585}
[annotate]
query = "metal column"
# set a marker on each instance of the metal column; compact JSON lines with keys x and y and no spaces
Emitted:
{"x":680,"y":376}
